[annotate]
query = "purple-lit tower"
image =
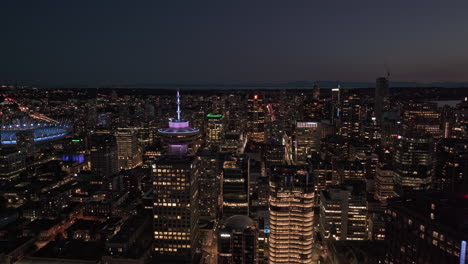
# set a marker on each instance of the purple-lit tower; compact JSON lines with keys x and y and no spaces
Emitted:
{"x":179,"y":134}
{"x":175,"y":204}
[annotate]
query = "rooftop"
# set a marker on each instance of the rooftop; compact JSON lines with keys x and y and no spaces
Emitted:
{"x":72,"y":249}
{"x":239,"y":222}
{"x":451,"y":209}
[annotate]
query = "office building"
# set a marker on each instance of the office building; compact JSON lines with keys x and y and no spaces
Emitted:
{"x":350,"y":123}
{"x":321,"y":169}
{"x":336,"y":95}
{"x":231,"y":142}
{"x":460,"y":123}
{"x":427,"y":228}
{"x":291,"y":215}
{"x":104,"y":156}
{"x":422,"y":118}
{"x":413,"y":162}
{"x":313,"y":110}
{"x":12,"y":163}
{"x":384,"y":183}
{"x":209,"y":184}
{"x":380,"y":97}
{"x":128,"y":148}
{"x":214,"y":128}
{"x":343,"y":211}
{"x":236,"y":186}
{"x":451,"y":164}
{"x":308,"y":139}
{"x":238,"y":241}
{"x":256,"y":118}
{"x":316,"y":92}
{"x":335,"y":105}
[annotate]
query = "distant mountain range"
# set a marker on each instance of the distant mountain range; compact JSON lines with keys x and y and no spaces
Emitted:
{"x":246,"y":85}
{"x":295,"y":84}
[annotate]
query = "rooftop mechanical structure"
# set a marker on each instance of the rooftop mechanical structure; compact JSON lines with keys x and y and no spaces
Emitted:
{"x":179,"y":134}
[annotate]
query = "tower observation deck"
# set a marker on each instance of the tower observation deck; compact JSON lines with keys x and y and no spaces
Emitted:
{"x":179,"y":134}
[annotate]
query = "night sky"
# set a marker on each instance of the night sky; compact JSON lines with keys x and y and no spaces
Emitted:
{"x":104,"y":42}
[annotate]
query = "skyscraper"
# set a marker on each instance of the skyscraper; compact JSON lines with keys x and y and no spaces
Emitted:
{"x":104,"y":157}
{"x":214,"y":128}
{"x":380,"y":97}
{"x":350,"y":114}
{"x":175,"y":179}
{"x":256,"y":118}
{"x":12,"y":163}
{"x":413,"y":162}
{"x":460,"y":126}
{"x":422,"y":118}
{"x":308,"y":139}
{"x":291,"y":215}
{"x":236,"y":186}
{"x":335,"y":104}
{"x":451,"y":166}
{"x":336,"y":92}
{"x":209,"y":184}
{"x":237,"y":241}
{"x":427,"y":228}
{"x":384,"y":183}
{"x":128,"y":149}
{"x":343,"y":211}
{"x":316,"y":92}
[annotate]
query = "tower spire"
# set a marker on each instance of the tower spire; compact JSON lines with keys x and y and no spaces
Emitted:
{"x":178,"y":105}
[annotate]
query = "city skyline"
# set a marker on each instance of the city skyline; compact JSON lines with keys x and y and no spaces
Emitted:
{"x":245,"y":132}
{"x":234,"y":176}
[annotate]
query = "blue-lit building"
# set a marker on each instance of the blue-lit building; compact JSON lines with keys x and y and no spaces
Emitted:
{"x":19,"y":125}
{"x":38,"y":132}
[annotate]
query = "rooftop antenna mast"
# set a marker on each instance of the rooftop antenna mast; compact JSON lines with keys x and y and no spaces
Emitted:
{"x":178,"y":105}
{"x":388,"y":71}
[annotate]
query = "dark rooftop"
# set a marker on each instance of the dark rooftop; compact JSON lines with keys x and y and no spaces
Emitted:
{"x":72,"y":249}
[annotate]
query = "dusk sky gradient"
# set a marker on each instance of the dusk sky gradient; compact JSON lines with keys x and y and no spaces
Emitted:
{"x":104,"y":42}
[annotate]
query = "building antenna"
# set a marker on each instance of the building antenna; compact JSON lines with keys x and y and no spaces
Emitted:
{"x":388,"y":71}
{"x":178,"y":105}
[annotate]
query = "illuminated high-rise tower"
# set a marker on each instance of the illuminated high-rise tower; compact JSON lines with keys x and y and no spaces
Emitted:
{"x":381,"y":94}
{"x":308,"y":138}
{"x":179,"y":134}
{"x":256,"y":118}
{"x":175,"y":208}
{"x":350,"y":114}
{"x":421,"y":118}
{"x":343,"y":211}
{"x":236,"y":175}
{"x":214,"y":128}
{"x":291,"y":215}
{"x":336,"y":95}
{"x":127,"y":147}
{"x":238,"y":241}
{"x":413,"y":162}
{"x":316,"y":92}
{"x":335,"y":104}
